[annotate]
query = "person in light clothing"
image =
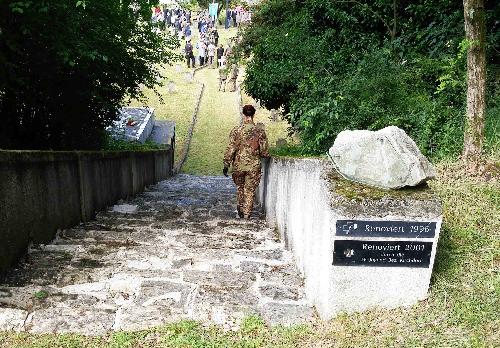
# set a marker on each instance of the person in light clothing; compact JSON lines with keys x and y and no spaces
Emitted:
{"x":211,"y":53}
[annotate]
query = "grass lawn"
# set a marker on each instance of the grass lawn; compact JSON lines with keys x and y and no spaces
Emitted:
{"x":217,"y":116}
{"x":219,"y":113}
{"x":177,"y":106}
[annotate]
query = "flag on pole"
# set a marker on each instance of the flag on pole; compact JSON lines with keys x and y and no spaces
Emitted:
{"x":212,"y":9}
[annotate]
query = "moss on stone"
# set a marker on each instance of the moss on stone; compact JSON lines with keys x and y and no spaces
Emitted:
{"x":295,"y":156}
{"x":355,"y":191}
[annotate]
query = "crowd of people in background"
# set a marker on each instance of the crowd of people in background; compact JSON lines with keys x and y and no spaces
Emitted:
{"x":180,"y":19}
{"x":208,"y":39}
{"x":237,"y":16}
{"x":208,"y":50}
{"x":176,"y":19}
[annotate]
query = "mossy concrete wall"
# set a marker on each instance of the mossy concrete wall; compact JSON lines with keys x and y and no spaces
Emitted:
{"x":305,"y":198}
{"x":41,"y":192}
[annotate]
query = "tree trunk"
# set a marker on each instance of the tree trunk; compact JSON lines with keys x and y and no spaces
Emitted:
{"x":475,"y":29}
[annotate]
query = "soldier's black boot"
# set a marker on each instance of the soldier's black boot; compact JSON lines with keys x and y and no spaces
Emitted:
{"x":240,"y":213}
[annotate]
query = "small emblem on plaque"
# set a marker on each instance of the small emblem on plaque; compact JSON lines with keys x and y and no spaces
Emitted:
{"x":349,"y":252}
{"x":349,"y":226}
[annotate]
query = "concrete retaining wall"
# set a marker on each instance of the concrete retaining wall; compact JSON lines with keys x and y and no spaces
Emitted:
{"x":305,"y":199}
{"x":41,"y":192}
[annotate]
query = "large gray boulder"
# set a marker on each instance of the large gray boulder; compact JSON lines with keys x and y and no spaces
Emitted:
{"x":387,"y":158}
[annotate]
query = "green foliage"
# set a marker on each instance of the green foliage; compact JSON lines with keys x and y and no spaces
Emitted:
{"x":112,"y":144}
{"x":365,"y":65}
{"x":193,"y":5}
{"x":41,"y":294}
{"x":378,"y":93}
{"x":290,"y":150}
{"x":67,"y":66}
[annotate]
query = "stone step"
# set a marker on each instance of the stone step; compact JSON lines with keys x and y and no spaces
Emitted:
{"x":177,"y":251}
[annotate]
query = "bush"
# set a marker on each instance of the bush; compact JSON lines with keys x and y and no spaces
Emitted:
{"x":366,"y":65}
{"x":67,"y":66}
{"x":380,"y":92}
{"x":112,"y":144}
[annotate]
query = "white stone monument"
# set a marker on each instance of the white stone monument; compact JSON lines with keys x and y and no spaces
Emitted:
{"x":387,"y":158}
{"x":133,"y":124}
{"x":171,"y":87}
{"x":189,"y":77}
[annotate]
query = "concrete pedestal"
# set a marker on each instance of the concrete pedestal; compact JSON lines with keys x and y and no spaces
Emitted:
{"x":358,"y":248}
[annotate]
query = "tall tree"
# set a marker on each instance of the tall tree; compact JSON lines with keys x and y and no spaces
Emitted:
{"x":66,"y":67}
{"x":475,"y":32}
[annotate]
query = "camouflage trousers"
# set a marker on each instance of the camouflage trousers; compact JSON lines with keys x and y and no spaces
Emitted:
{"x":231,"y":85}
{"x":246,"y":183}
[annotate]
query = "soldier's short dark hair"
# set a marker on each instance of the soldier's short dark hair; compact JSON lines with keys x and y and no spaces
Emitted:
{"x":248,"y":110}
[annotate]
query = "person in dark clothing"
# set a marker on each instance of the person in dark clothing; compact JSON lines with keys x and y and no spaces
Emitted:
{"x":187,"y":32}
{"x":188,"y":50}
{"x":227,"y":23}
{"x":168,"y":18}
{"x":220,"y":52}
{"x":233,"y":16}
{"x":216,"y":37}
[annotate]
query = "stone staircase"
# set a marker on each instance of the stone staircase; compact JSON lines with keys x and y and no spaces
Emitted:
{"x":177,"y":251}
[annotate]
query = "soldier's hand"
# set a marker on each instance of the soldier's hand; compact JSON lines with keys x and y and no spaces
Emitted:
{"x":224,"y":171}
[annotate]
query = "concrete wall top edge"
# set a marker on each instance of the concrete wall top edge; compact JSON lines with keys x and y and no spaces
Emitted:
{"x":281,"y":159}
{"x":8,"y":156}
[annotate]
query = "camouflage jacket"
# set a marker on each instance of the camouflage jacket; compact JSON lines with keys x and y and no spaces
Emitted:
{"x":234,"y":72}
{"x":223,"y":73}
{"x":247,"y":144}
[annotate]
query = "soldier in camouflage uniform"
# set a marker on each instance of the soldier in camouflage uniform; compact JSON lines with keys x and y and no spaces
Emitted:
{"x":232,"y":78}
{"x":222,"y":78}
{"x":247,"y":145}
